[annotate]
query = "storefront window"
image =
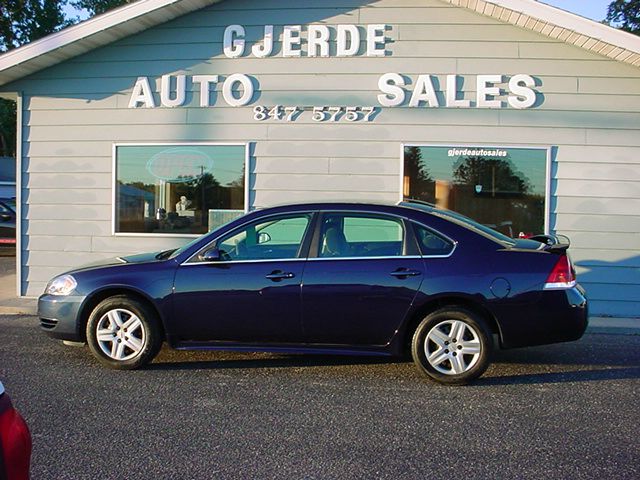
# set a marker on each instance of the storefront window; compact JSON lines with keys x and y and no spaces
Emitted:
{"x":503,"y":188}
{"x":179,"y":189}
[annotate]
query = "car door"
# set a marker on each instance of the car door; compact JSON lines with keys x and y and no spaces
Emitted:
{"x":360,"y":279}
{"x":251,"y":292}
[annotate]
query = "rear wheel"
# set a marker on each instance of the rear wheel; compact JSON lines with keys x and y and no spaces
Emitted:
{"x":452,"y":346}
{"x":123,"y":333}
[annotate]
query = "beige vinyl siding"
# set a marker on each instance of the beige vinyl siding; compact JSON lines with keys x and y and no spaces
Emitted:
{"x":590,"y":114}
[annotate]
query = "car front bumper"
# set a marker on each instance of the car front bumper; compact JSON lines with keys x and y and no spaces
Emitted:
{"x":59,"y":316}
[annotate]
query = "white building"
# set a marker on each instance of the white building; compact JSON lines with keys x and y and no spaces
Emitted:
{"x":516,"y":113}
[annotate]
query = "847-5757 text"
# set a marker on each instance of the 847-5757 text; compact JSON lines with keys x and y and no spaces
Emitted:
{"x":318,"y":114}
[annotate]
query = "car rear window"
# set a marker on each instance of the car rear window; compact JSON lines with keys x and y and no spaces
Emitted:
{"x":464,"y":221}
{"x":473,"y":225}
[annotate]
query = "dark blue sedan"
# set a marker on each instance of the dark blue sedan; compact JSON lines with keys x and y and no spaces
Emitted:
{"x":328,"y":278}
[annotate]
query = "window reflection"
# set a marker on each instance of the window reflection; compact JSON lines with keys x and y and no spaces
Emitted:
{"x":503,"y":188}
{"x":178,"y":189}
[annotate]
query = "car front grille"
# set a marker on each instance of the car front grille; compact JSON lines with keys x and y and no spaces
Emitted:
{"x":48,"y":323}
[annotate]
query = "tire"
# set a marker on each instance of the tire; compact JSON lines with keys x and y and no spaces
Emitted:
{"x":446,"y":359}
{"x":123,"y":333}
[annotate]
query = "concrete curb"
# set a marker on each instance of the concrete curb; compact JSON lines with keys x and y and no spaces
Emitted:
{"x":27,"y":310}
{"x":19,"y":306}
{"x":614,"y":325}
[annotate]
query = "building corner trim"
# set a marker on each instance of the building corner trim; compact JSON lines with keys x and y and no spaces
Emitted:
{"x":19,"y":136}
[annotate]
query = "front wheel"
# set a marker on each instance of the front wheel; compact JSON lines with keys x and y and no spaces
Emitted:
{"x":123,"y":333}
{"x":452,"y":346}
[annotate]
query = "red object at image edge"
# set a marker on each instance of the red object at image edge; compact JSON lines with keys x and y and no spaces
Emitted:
{"x":15,"y":443}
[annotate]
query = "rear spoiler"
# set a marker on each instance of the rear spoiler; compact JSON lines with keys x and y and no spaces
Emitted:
{"x":553,"y":243}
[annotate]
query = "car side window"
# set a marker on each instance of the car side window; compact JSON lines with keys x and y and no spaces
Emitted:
{"x":273,"y":238}
{"x":430,"y":243}
{"x":353,"y":235}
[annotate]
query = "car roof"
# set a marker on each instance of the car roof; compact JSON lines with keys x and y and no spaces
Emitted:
{"x":414,"y":206}
{"x":328,"y":205}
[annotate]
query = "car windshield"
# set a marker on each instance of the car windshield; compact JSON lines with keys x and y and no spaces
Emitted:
{"x":185,"y":247}
{"x":465,"y":221}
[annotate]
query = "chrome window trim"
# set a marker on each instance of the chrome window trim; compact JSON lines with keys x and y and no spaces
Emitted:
{"x":305,"y":259}
{"x":390,"y":257}
{"x":455,"y":245}
{"x":235,"y":262}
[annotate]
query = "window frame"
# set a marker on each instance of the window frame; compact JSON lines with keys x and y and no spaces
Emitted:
{"x":303,"y":252}
{"x":548,"y":162}
{"x":114,"y":182}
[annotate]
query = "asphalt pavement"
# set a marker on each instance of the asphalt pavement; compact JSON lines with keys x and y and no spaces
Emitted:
{"x":562,"y":411}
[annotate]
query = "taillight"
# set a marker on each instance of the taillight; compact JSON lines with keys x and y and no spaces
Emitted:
{"x":562,"y":276}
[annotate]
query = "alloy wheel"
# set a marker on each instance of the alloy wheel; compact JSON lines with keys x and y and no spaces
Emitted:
{"x":120,"y":334}
{"x":452,"y":347}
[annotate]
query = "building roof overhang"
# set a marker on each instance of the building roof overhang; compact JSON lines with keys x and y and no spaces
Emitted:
{"x":143,"y":14}
{"x":561,"y":25}
{"x":91,"y":34}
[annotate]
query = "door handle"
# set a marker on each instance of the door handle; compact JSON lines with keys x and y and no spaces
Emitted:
{"x":405,"y":272}
{"x":279,"y":275}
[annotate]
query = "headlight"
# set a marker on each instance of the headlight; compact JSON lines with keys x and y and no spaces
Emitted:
{"x":62,"y":285}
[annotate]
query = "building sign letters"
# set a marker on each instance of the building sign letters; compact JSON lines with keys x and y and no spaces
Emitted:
{"x":396,"y":89}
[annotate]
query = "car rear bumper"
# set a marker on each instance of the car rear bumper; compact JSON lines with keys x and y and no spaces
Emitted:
{"x":558,"y":316}
{"x":59,"y":316}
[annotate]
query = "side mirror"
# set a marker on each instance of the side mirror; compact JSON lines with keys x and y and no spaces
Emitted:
{"x":212,"y":255}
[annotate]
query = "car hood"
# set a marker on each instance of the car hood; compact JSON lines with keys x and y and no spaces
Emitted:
{"x":140,"y":257}
{"x":107,"y":262}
